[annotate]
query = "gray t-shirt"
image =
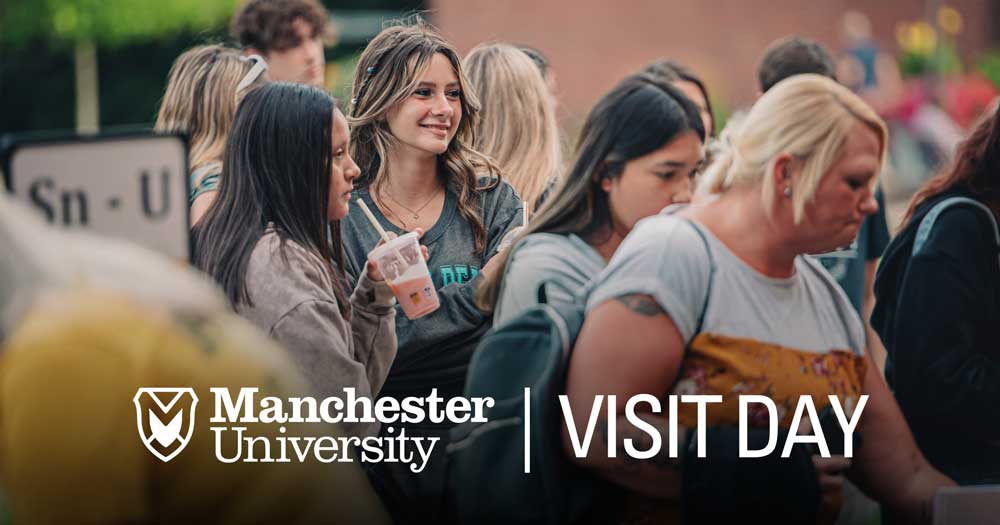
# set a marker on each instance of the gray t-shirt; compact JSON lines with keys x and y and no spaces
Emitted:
{"x":434,"y":350}
{"x":564,"y":262}
{"x":665,"y":257}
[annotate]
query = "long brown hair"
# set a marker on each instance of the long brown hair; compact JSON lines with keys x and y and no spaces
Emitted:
{"x":387,"y":72}
{"x":976,"y":169}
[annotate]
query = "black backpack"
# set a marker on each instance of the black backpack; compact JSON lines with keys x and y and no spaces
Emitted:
{"x":487,"y":479}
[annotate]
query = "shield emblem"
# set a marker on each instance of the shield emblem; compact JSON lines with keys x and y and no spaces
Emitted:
{"x":165,"y":417}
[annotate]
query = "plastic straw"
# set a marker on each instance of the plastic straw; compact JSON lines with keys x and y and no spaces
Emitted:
{"x":381,"y":231}
{"x":371,"y":218}
{"x":524,"y":212}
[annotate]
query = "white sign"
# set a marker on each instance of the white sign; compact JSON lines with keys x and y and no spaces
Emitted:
{"x":131,"y":186}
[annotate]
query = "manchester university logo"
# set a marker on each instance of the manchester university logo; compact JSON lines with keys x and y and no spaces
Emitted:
{"x":168,"y":421}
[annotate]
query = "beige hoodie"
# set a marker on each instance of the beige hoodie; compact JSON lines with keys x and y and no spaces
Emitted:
{"x":293,"y":301}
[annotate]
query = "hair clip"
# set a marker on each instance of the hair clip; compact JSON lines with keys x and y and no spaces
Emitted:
{"x":371,"y":70}
{"x":354,"y":101}
{"x":258,"y":69}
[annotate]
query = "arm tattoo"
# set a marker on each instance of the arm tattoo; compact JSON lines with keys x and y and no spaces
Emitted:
{"x":641,"y":304}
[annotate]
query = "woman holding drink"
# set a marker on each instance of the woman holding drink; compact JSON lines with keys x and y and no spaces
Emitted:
{"x":267,"y":240}
{"x":412,"y":124}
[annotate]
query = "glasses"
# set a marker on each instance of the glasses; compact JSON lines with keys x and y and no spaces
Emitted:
{"x":259,"y":67}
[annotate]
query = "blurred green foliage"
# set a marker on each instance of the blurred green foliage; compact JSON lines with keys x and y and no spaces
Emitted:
{"x":989,"y":65}
{"x":943,"y":60}
{"x":109,"y":23}
{"x":137,"y":42}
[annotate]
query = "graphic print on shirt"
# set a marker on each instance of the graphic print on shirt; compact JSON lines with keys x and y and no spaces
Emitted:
{"x":455,"y":273}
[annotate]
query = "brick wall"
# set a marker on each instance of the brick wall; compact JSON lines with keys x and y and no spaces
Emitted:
{"x":593,"y":43}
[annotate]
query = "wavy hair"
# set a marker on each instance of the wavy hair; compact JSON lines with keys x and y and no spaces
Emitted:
{"x":387,"y":72}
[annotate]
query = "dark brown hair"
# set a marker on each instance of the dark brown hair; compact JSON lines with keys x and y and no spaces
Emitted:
{"x":266,"y":25}
{"x":976,"y":169}
{"x":671,"y":71}
{"x":275,"y":171}
{"x":793,"y":55}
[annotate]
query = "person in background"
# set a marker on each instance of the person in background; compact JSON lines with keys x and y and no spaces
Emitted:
{"x":638,"y":152}
{"x":268,"y":241}
{"x":793,"y":55}
{"x":517,"y":122}
{"x":87,"y":321}
{"x":412,"y":118}
{"x":544,"y":66}
{"x":203,"y":89}
{"x":289,"y":34}
{"x":853,"y":265}
{"x":692,"y":87}
{"x":938,"y":312}
{"x":720,"y":299}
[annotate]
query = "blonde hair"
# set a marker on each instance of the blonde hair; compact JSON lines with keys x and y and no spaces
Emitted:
{"x":387,"y":72}
{"x":201,"y":99}
{"x":807,"y":116}
{"x":517,"y":125}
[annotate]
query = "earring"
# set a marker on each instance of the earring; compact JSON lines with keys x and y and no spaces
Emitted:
{"x":787,"y":192}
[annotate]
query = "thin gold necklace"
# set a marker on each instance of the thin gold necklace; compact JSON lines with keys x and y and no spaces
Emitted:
{"x":416,"y":212}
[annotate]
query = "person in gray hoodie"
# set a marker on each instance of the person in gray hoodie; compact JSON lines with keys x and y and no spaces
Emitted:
{"x":268,"y":241}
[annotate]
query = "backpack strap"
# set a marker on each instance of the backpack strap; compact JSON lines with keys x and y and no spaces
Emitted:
{"x":711,"y":274}
{"x":543,"y":298}
{"x":927,"y":223}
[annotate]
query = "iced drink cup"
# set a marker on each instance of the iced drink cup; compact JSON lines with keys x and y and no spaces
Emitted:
{"x":405,"y":270}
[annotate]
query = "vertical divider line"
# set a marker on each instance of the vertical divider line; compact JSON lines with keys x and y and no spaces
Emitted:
{"x":527,"y":430}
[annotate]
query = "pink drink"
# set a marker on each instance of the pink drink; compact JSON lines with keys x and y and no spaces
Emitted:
{"x":405,"y":271}
{"x":416,"y":296}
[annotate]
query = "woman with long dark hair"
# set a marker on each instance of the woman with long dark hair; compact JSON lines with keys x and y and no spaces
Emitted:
{"x":937,"y":311}
{"x":638,"y":151}
{"x":269,"y":243}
